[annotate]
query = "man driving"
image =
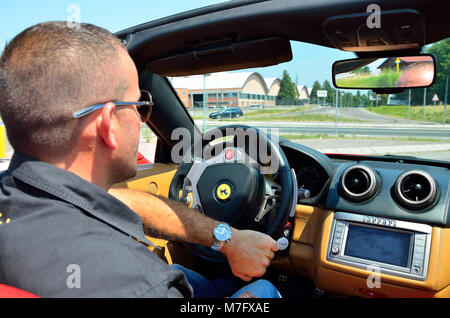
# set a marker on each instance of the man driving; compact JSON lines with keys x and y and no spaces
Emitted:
{"x":73,"y":109}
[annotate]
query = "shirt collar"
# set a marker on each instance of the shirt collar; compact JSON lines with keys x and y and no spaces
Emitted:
{"x":71,"y":188}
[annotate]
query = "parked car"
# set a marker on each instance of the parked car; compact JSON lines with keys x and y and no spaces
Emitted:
{"x":227,"y":113}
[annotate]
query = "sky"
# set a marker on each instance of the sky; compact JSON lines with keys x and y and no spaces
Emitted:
{"x":310,"y":62}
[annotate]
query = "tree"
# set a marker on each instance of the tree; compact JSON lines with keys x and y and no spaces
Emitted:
{"x":330,"y":92}
{"x":441,"y":50}
{"x":365,"y":69}
{"x":287,"y":93}
{"x":316,"y":87}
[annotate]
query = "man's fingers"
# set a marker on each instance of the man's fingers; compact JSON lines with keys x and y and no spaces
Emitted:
{"x":274,"y":246}
{"x":246,"y":295}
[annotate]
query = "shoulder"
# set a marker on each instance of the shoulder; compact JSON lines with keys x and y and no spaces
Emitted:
{"x":65,"y":252}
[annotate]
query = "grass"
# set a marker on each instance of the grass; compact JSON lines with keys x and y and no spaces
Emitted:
{"x":341,"y":136}
{"x":304,"y":136}
{"x":387,"y":78}
{"x":257,"y":112}
{"x":432,"y":113}
{"x":150,"y":137}
{"x":293,"y":118}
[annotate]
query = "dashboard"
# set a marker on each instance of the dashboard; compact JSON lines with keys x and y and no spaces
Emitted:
{"x":366,"y":215}
{"x":372,"y":226}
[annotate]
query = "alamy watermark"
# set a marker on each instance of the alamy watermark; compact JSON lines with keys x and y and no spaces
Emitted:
{"x":374,"y":19}
{"x":74,"y":278}
{"x":256,"y":142}
{"x":374,"y":279}
{"x":74,"y":16}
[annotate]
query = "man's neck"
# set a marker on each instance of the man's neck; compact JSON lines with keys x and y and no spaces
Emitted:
{"x":85,"y":166}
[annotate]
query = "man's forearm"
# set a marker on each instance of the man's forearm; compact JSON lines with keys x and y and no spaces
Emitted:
{"x":248,"y":252}
{"x":169,"y":217}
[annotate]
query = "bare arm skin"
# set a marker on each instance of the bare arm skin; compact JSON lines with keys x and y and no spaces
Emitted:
{"x":248,"y":252}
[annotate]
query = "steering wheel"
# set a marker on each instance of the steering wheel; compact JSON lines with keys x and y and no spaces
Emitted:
{"x":245,"y":182}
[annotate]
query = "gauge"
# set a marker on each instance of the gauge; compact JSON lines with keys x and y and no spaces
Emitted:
{"x":309,"y":178}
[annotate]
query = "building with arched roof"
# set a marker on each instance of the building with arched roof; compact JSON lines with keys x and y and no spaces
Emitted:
{"x":303,"y":92}
{"x":235,"y":89}
{"x":273,"y":86}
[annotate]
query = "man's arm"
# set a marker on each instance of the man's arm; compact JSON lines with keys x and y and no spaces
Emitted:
{"x":248,"y":252}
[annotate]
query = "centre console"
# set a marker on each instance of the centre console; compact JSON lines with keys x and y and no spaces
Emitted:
{"x":393,"y":247}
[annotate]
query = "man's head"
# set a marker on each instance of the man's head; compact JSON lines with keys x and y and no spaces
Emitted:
{"x":51,"y":70}
{"x":417,"y":75}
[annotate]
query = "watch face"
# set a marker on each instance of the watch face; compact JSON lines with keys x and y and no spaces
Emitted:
{"x":222,"y":233}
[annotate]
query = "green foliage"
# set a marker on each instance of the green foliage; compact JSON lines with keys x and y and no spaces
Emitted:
{"x":287,"y":89}
{"x":316,"y":87}
{"x":441,"y":50}
{"x":432,"y":113}
{"x":330,"y":92}
{"x":387,"y":78}
{"x":364,"y":69}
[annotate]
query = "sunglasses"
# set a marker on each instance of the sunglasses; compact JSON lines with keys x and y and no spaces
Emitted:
{"x":144,"y":107}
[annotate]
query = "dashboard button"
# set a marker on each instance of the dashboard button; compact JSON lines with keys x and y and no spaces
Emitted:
{"x":416,"y":269}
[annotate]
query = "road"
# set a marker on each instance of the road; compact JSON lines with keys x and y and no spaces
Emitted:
{"x":357,"y":114}
{"x":352,"y":129}
{"x":374,"y":126}
{"x":352,"y":113}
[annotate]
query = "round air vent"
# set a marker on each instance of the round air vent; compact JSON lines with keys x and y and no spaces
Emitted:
{"x":358,"y":183}
{"x":415,"y":189}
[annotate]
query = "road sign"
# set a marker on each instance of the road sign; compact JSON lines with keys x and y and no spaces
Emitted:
{"x":322,"y":93}
{"x":435,"y":98}
{"x":397,"y":61}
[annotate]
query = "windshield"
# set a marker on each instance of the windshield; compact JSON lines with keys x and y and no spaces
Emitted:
{"x":297,"y":101}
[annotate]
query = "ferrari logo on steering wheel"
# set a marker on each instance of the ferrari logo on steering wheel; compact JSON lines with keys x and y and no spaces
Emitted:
{"x":223,"y":191}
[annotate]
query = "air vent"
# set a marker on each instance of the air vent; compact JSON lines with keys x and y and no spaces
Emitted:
{"x":415,"y":189}
{"x":358,"y":183}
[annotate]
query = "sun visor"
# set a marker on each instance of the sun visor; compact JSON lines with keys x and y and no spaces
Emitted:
{"x":224,"y":57}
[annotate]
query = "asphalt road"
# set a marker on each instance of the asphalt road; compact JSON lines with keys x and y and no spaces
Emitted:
{"x":351,"y":113}
{"x":363,"y":114}
{"x":366,"y":124}
{"x":353,"y":129}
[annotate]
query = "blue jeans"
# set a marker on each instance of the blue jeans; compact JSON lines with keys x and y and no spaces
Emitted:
{"x":225,"y":287}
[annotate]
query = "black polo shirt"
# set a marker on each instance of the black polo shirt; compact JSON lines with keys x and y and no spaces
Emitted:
{"x":61,"y":236}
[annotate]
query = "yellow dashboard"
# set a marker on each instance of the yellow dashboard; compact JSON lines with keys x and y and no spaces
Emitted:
{"x":308,"y":256}
{"x":309,"y":245}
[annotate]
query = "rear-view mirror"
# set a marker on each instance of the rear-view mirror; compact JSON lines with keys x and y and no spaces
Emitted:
{"x":385,"y":73}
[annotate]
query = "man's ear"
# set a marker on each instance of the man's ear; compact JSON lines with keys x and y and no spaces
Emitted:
{"x":106,"y":126}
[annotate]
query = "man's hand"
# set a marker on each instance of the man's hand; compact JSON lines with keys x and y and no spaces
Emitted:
{"x":246,"y":295}
{"x":249,"y":253}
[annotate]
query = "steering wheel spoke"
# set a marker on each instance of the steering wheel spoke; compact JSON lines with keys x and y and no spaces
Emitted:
{"x":271,"y":198}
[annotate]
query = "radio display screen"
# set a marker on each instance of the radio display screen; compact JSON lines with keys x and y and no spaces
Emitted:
{"x":378,"y":245}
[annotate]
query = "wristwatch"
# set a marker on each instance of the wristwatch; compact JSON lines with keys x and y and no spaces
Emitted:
{"x":221,"y":235}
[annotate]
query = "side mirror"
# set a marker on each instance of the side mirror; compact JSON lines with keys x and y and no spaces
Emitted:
{"x":394,"y":72}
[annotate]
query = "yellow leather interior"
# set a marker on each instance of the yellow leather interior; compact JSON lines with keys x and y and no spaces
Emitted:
{"x":154,"y":178}
{"x":307,"y":252}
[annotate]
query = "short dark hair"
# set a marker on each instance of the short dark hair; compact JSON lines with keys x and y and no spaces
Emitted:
{"x":46,"y":73}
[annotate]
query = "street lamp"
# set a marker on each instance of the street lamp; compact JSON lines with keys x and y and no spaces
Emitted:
{"x":205,"y":101}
